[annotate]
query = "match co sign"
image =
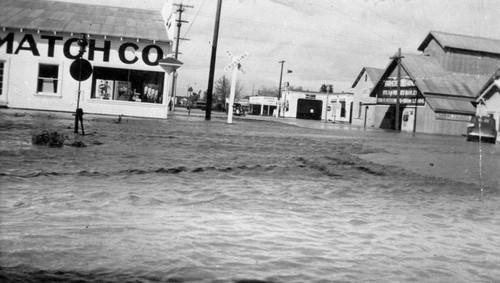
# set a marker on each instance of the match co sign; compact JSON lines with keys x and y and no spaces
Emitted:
{"x":235,"y":65}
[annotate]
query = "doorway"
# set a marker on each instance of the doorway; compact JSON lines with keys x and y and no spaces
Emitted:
{"x":309,"y":109}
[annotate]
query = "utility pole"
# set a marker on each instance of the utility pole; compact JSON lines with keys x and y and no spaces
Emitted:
{"x":279,"y":90}
{"x":179,"y":20}
{"x":398,"y":60}
{"x":208,"y":112}
{"x":328,"y":91}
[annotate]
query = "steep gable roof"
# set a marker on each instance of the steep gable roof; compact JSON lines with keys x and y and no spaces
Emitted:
{"x":462,"y":42}
{"x":56,"y":16}
{"x":431,"y":79}
{"x":373,"y":73}
{"x":444,"y":91}
{"x":490,"y":87}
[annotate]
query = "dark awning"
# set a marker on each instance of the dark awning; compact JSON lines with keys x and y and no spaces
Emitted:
{"x":447,"y":105}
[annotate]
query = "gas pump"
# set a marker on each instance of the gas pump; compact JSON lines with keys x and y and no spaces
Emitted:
{"x":408,"y":120}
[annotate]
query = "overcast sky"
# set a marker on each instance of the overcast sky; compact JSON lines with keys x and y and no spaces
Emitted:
{"x":321,"y":41}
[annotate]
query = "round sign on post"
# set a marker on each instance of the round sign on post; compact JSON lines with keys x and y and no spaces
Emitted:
{"x":80,"y":69}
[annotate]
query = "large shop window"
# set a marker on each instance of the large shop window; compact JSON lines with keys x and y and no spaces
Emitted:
{"x":48,"y":77}
{"x":127,"y":85}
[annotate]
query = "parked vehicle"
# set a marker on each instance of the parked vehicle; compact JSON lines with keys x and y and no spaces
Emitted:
{"x":482,"y":128}
{"x":201,"y":105}
{"x":238,"y":109}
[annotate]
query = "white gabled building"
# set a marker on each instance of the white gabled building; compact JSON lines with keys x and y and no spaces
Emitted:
{"x":39,"y":43}
{"x":490,"y":96}
{"x":363,"y":112}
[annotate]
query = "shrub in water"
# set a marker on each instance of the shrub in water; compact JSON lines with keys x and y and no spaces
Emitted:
{"x":53,"y":139}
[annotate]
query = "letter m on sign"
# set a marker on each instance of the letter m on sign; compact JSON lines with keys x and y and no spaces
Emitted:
{"x":10,"y":42}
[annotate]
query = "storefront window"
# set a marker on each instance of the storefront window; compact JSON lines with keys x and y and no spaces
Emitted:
{"x":127,"y":85}
{"x":48,"y":76}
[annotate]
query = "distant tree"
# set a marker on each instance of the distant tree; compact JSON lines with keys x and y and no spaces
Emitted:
{"x":323,"y":88}
{"x":194,"y":97}
{"x":222,"y":90}
{"x":293,"y":88}
{"x":330,"y":88}
{"x":265,"y":91}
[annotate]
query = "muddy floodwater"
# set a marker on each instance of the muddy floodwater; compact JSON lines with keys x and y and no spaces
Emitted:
{"x":186,"y":200}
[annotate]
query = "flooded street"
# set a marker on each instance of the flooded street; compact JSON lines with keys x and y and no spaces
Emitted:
{"x":186,"y":200}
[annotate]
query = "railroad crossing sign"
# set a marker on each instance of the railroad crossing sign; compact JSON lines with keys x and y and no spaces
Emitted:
{"x":235,"y":61}
{"x":235,"y":65}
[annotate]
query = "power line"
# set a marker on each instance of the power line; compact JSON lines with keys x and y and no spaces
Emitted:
{"x":194,"y":19}
{"x":179,"y":21}
{"x":310,"y":32}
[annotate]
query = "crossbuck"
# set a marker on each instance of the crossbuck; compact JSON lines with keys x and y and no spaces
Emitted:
{"x":235,"y":65}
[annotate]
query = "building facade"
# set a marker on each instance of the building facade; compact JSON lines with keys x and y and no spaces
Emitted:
{"x":488,"y":101}
{"x":463,"y":54}
{"x":438,"y":88}
{"x":262,"y":105}
{"x":335,"y":107}
{"x":40,"y":43}
{"x":363,"y":111}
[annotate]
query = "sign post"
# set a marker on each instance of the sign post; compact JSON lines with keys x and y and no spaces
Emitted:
{"x":235,"y":66}
{"x":80,"y":70}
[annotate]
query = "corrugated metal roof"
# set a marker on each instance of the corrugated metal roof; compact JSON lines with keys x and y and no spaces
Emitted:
{"x":431,"y":78}
{"x":443,"y":90}
{"x":81,"y":18}
{"x":450,"y":105}
{"x":464,"y":42}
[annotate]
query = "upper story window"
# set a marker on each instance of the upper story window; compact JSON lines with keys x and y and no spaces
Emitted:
{"x":48,"y":78}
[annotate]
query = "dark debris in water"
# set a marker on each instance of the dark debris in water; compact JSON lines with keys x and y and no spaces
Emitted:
{"x":32,"y":275}
{"x":334,"y":166}
{"x":52,"y":139}
{"x":252,"y":281}
{"x":78,"y":144}
{"x":19,"y":114}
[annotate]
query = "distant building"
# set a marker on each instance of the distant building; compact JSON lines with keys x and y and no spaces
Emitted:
{"x":262,"y":105}
{"x":463,"y":54}
{"x":363,"y":111}
{"x":490,"y":96}
{"x":318,"y":105}
{"x":39,"y":41}
{"x":439,"y":87}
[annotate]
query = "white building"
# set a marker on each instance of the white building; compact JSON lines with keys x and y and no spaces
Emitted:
{"x":39,"y":41}
{"x":263,"y":105}
{"x":363,"y":111}
{"x":490,"y":96}
{"x":313,"y":105}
